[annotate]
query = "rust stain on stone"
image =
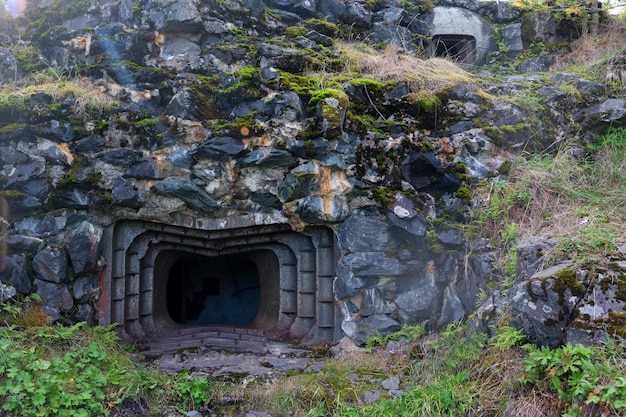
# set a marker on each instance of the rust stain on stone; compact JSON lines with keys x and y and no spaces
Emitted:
{"x":65,"y":149}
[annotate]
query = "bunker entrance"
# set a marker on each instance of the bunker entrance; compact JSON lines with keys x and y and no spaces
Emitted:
{"x":461,"y":48}
{"x":213,"y":290}
{"x":167,"y":280}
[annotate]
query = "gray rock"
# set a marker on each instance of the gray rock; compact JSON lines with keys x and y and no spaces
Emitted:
{"x":56,"y":297}
{"x":543,"y":305}
{"x":485,"y":318}
{"x":597,"y":314}
{"x":84,"y":248}
{"x":452,"y":308}
{"x":305,"y":8}
{"x":50,"y":264}
{"x":395,"y":393}
{"x":332,"y":9}
{"x":41,"y":226}
{"x":221,"y":148}
{"x":24,"y":243}
{"x":39,"y":188}
{"x":359,"y":233}
{"x":316,"y":210}
{"x":183,"y":105}
{"x":23,"y":205}
{"x":6,"y":292}
{"x":452,"y":236}
{"x":393,"y":35}
{"x":542,"y":27}
{"x":86,"y":287}
{"x":145,"y":170}
{"x":84,"y":313}
{"x":424,"y":172}
{"x":266,"y":199}
{"x":297,"y":186}
{"x":512,"y":37}
{"x":315,"y":148}
{"x":416,"y":305}
{"x":347,"y":285}
{"x":356,"y":14}
{"x":370,"y":396}
{"x":590,"y":89}
{"x":531,"y":253}
{"x":194,"y":196}
{"x":182,"y":16}
{"x":392,"y":383}
{"x":359,"y":330}
{"x":269,"y":157}
{"x":256,"y":7}
{"x":174,"y":46}
{"x":120,"y":157}
{"x":8,"y":64}
{"x":611,"y":112}
{"x":54,"y":156}
{"x":366,"y":264}
{"x":93,"y":143}
{"x":124,"y":194}
{"x":15,"y":273}
{"x":286,"y":59}
{"x":506,"y":114}
{"x":542,"y":63}
{"x":26,"y":172}
{"x":11,"y":156}
{"x":372,"y":303}
{"x":73,"y":198}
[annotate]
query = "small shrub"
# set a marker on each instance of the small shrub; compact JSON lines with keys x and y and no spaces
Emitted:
{"x":408,"y":332}
{"x":580,"y":375}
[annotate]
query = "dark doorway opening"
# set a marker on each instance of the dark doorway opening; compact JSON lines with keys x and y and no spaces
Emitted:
{"x":213,"y":290}
{"x":461,"y":48}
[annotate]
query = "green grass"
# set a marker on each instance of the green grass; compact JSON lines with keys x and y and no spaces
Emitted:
{"x":582,"y":202}
{"x":51,"y":370}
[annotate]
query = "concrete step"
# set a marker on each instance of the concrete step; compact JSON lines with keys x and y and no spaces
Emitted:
{"x":221,"y":339}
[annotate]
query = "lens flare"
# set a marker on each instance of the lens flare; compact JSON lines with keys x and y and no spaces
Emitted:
{"x":16,"y":7}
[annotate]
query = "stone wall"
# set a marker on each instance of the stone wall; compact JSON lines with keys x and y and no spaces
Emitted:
{"x":184,"y":116}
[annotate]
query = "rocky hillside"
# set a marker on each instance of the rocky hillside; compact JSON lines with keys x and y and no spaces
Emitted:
{"x":213,"y":115}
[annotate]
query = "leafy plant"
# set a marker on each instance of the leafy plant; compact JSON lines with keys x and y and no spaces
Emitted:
{"x":82,"y":371}
{"x":408,"y":332}
{"x":579,"y":375}
{"x":506,"y":337}
{"x":193,"y":392}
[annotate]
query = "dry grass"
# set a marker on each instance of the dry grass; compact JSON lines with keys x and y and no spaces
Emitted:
{"x":569,"y":195}
{"x":600,"y":50}
{"x":390,"y":65}
{"x":341,"y":381}
{"x":89,"y":99}
{"x":536,"y":405}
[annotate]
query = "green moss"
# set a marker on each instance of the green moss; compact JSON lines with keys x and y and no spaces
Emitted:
{"x":385,"y":195}
{"x":371,"y":85}
{"x":296,"y":31}
{"x":333,"y":103}
{"x":464,"y":193}
{"x":425,"y":101}
{"x":620,"y":292}
{"x":322,"y":26}
{"x":11,"y":194}
{"x":501,"y":134}
{"x":617,"y":323}
{"x":566,"y":279}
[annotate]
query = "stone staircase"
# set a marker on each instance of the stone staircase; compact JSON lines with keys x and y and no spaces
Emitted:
{"x":229,"y":339}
